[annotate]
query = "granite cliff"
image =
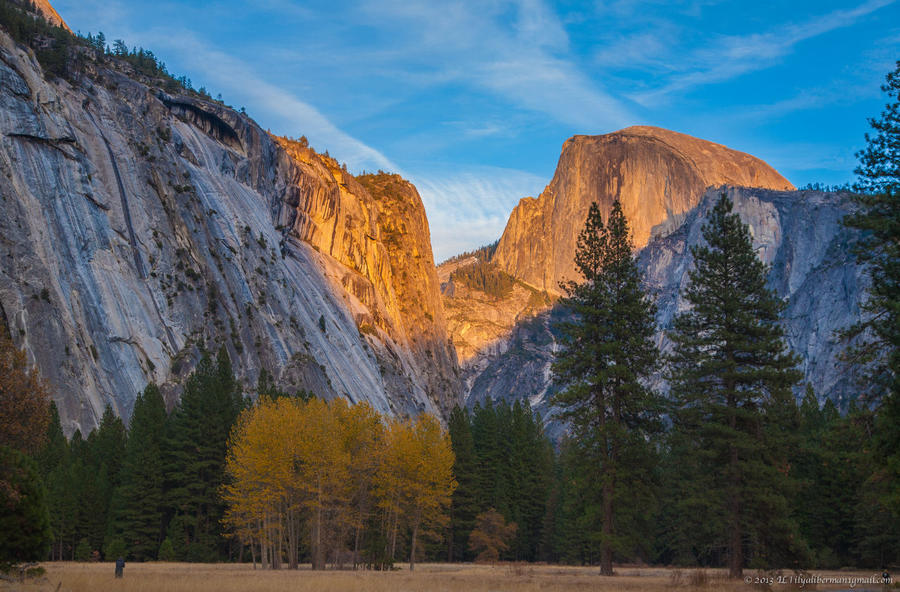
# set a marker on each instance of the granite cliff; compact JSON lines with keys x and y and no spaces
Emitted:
{"x":665,"y":182}
{"x":799,"y":234}
{"x":142,"y":223}
{"x":657,"y":175}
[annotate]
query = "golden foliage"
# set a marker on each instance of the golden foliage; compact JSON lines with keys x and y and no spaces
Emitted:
{"x":24,"y":400}
{"x":320,"y":469}
{"x":491,"y":536}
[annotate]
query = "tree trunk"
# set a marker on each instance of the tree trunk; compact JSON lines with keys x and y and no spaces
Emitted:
{"x":412,"y":546}
{"x":264,"y":544}
{"x":735,"y":541}
{"x":608,"y":489}
{"x":318,"y":556}
{"x":356,"y":547}
{"x":606,"y":551}
{"x":394,"y":534}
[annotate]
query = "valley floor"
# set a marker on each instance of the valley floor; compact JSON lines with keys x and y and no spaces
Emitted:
{"x":184,"y":577}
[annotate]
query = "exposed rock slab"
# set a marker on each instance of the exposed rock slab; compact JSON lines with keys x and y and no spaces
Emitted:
{"x":798,"y":234}
{"x":139,"y":226}
{"x":658,"y":175}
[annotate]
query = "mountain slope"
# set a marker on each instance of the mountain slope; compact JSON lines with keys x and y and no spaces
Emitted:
{"x":140,"y":225}
{"x":799,"y":234}
{"x":657,"y":174}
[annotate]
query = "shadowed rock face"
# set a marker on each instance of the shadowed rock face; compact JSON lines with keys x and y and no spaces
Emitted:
{"x":658,"y":175}
{"x":139,"y":226}
{"x":799,"y":234}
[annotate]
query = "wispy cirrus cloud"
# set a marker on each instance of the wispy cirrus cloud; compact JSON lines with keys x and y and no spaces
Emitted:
{"x":291,"y":114}
{"x":515,"y":49}
{"x":727,"y":57}
{"x":468,"y":208}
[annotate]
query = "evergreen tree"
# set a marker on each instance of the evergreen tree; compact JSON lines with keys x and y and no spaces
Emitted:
{"x":90,"y":487}
{"x":879,"y":250}
{"x":731,"y":378}
{"x":607,"y":354}
{"x":137,"y":504}
{"x":511,"y":471}
{"x":53,"y":464}
{"x":464,"y":503}
{"x":530,"y":463}
{"x":24,"y":520}
{"x":195,"y":458}
{"x":55,"y":448}
{"x":110,"y":444}
{"x":489,"y":438}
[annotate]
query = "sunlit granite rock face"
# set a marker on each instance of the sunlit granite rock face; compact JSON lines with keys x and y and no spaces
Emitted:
{"x":49,"y":13}
{"x":139,"y":226}
{"x":658,"y":175}
{"x":797,"y":233}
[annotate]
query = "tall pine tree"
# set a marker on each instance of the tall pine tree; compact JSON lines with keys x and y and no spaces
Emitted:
{"x":53,"y":463}
{"x":195,"y":458}
{"x":464,"y":503}
{"x":879,"y":217}
{"x":136,"y":509}
{"x":731,"y":378}
{"x":607,"y":354}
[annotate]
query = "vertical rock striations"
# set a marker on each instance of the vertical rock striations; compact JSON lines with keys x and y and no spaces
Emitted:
{"x":140,"y":226}
{"x":812,"y":267}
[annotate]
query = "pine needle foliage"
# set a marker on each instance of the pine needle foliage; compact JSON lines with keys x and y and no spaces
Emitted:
{"x":607,"y":355}
{"x":731,"y":379}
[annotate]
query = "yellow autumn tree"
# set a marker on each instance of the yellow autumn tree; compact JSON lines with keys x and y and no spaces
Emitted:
{"x":322,"y":466}
{"x":263,"y":497}
{"x":414,"y":480}
{"x":322,"y":469}
{"x":362,"y":432}
{"x":24,"y":400}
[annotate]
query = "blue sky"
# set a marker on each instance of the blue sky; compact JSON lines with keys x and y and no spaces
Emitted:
{"x":473,"y":100}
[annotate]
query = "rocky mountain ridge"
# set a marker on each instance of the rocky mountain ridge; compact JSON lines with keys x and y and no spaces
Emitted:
{"x":658,"y":176}
{"x":141,"y":225}
{"x":665,"y":181}
{"x":800,"y":236}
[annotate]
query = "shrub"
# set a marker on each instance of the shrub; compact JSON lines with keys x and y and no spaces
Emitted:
{"x":167,"y":550}
{"x":83,"y":550}
{"x":114,"y":548}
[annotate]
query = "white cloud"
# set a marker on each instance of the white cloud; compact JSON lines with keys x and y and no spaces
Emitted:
{"x":270,"y":102}
{"x":732,"y":56}
{"x":469,"y":208}
{"x":526,"y":63}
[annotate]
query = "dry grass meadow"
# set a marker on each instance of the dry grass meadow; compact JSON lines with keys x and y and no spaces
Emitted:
{"x":181,"y":577}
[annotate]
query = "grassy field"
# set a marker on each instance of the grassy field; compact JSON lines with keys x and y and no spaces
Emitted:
{"x":182,"y":577}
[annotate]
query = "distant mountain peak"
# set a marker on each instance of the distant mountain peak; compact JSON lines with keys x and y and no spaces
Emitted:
{"x":657,"y":174}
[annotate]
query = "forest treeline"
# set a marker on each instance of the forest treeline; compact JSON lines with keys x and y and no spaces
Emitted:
{"x":338,"y":485}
